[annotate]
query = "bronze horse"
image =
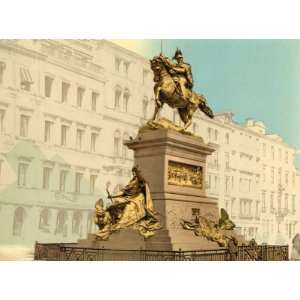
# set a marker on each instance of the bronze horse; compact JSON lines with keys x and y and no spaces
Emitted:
{"x":166,"y":91}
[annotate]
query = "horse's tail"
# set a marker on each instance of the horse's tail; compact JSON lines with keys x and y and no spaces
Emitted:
{"x":204,"y":107}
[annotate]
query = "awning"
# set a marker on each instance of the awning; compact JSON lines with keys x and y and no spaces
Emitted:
{"x":25,"y":76}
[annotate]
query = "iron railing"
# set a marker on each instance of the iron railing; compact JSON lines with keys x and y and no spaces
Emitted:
{"x":71,"y":252}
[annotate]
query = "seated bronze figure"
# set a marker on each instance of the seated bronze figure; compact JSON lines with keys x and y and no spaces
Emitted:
{"x":132,"y":207}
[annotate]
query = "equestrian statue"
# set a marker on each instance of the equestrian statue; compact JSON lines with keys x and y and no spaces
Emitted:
{"x":173,"y":86}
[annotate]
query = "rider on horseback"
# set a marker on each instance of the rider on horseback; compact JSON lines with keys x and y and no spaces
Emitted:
{"x":173,"y":86}
{"x":181,"y":73}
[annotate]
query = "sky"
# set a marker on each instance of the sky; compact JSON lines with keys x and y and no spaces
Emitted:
{"x":258,"y":79}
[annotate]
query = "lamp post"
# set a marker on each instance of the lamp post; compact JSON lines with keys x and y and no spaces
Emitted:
{"x":280,"y":213}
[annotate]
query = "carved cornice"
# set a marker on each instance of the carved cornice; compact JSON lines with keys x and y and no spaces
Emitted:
{"x":4,"y":104}
{"x":25,"y":109}
{"x":14,"y":46}
{"x":66,"y":57}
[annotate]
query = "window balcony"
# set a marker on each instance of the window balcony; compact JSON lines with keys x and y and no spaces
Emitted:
{"x":281,"y":212}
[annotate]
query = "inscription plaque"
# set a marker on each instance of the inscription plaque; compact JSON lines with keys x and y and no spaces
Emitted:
{"x":184,"y":174}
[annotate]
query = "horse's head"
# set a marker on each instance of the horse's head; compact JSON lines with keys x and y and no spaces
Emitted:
{"x":157,"y":66}
{"x":156,"y":63}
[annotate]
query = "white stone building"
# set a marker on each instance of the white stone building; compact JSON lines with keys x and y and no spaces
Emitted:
{"x":254,"y":176}
{"x":65,"y":109}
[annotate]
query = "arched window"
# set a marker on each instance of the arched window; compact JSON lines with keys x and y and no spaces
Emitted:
{"x":76,"y":223}
{"x":117,"y":143}
{"x":91,"y":222}
{"x":272,"y":152}
{"x":117,"y":64}
{"x":19,"y":218}
{"x":45,"y":220}
{"x":145,"y":107}
{"x":61,"y":223}
{"x":216,"y":134}
{"x":118,"y":92}
{"x":209,"y":133}
{"x":126,"y":67}
{"x":125,"y":149}
{"x":227,"y":138}
{"x":126,"y":100}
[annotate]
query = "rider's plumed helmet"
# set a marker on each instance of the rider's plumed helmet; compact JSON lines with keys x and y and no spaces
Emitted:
{"x":177,"y":54}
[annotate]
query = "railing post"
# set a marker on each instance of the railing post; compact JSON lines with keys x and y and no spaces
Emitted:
{"x":180,"y":255}
{"x":142,"y":254}
{"x":227,"y":255}
{"x":35,"y":251}
{"x":84,"y":253}
{"x":102,"y":253}
{"x":61,"y":252}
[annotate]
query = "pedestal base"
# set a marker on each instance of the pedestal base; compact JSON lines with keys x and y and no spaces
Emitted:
{"x":175,"y":240}
{"x":163,"y":240}
{"x":126,"y":239}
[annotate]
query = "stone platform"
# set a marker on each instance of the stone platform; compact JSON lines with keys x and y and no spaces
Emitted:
{"x":164,"y":240}
{"x":127,"y":239}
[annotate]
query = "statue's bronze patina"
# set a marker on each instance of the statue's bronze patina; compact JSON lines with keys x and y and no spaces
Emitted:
{"x":132,"y":207}
{"x":173,"y":86}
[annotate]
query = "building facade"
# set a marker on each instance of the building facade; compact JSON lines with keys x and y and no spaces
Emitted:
{"x":66,"y":107}
{"x":254,"y":176}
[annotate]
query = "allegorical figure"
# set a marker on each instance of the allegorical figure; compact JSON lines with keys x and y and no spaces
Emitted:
{"x":132,"y":208}
{"x":211,"y":230}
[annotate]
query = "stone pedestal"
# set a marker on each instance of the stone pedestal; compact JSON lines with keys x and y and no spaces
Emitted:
{"x":174,"y":165}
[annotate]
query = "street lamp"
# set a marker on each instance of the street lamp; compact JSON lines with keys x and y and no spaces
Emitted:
{"x":280,"y":213}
